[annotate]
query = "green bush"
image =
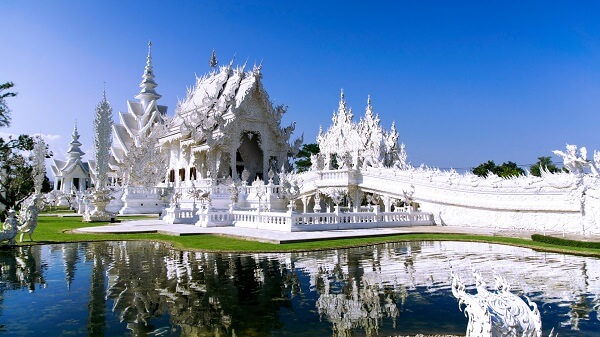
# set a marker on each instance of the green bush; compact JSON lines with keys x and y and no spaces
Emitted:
{"x":565,"y":242}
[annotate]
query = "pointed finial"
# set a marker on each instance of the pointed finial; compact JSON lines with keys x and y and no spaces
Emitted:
{"x":104,"y":90}
{"x":369,"y":111}
{"x":75,"y":134}
{"x":213,"y":62}
{"x":342,"y":106}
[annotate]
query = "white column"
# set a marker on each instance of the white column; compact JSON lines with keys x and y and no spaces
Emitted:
{"x":388,"y":203}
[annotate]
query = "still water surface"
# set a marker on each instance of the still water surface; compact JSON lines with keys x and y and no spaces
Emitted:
{"x":147,"y":289}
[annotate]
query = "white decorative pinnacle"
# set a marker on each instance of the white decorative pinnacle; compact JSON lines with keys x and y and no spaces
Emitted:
{"x":102,"y":139}
{"x":213,"y":62}
{"x":40,"y":151}
{"x":342,"y":106}
{"x":369,"y":110}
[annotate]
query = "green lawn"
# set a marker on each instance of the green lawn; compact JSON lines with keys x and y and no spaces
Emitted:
{"x":52,"y":229}
{"x":57,"y":210}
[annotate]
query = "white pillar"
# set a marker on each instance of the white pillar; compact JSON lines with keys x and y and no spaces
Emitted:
{"x":388,"y":203}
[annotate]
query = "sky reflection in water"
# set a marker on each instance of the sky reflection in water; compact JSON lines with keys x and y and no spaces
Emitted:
{"x":146,"y":289}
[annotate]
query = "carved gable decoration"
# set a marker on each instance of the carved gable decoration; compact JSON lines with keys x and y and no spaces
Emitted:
{"x":228,"y":101}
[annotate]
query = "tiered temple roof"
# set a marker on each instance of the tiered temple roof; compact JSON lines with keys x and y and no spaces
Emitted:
{"x":135,"y":124}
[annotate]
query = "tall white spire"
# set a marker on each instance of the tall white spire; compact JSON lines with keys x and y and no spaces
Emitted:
{"x":369,"y":109}
{"x":102,"y":139}
{"x":74,"y":151}
{"x":148,"y":85}
{"x":343,"y":115}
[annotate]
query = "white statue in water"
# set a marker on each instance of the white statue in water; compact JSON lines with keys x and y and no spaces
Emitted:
{"x":498,"y":313}
{"x":9,"y":228}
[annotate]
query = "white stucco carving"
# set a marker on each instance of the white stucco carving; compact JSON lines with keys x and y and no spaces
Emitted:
{"x":497,"y":313}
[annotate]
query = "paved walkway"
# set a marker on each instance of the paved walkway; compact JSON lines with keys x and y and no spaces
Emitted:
{"x":158,"y":226}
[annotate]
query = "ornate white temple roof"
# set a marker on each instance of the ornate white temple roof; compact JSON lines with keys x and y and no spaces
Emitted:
{"x":217,"y":95}
{"x":217,"y":99}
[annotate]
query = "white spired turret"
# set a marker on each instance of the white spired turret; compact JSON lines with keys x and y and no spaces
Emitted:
{"x":136,"y":124}
{"x":74,"y":153}
{"x":73,"y":173}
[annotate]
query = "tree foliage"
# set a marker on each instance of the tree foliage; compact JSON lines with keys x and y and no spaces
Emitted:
{"x":4,"y":110}
{"x":16,"y":180}
{"x":507,"y":169}
{"x":543,"y":163}
{"x":303,"y":162}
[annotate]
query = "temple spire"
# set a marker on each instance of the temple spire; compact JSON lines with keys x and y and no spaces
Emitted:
{"x":343,"y":115}
{"x":74,"y":151}
{"x":148,"y":85}
{"x":213,"y":62}
{"x":369,"y":110}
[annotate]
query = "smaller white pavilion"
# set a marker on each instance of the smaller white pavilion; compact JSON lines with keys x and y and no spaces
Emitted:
{"x":72,"y":174}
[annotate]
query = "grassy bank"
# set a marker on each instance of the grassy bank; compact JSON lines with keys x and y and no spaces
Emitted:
{"x":58,"y":230}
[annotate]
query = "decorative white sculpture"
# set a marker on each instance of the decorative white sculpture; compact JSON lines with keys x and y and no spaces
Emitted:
{"x":40,"y":153}
{"x":497,"y":313}
{"x":102,"y":142}
{"x":9,"y":228}
{"x":29,"y":219}
{"x":291,"y":186}
{"x":575,"y":164}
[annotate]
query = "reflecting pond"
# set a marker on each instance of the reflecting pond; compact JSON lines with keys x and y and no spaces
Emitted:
{"x":148,"y":289}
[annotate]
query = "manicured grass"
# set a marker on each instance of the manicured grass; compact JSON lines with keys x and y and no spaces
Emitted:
{"x":57,"y":210}
{"x":57,"y":230}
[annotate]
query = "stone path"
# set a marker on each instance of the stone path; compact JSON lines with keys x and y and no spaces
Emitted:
{"x":158,"y":226}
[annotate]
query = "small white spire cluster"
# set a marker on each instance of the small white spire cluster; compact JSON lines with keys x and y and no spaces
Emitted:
{"x":364,"y":141}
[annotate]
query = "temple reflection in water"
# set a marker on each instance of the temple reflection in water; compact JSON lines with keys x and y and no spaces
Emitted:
{"x":145,"y":288}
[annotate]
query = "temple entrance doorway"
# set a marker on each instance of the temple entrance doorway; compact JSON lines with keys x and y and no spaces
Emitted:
{"x":249,"y":156}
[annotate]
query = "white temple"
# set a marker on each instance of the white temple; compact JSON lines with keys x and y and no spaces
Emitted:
{"x":72,"y":174}
{"x":223,"y":160}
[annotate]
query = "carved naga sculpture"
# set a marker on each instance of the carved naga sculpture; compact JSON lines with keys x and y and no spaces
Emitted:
{"x":497,"y":313}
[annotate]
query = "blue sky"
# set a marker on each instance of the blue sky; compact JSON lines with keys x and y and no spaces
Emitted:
{"x":466,"y":82}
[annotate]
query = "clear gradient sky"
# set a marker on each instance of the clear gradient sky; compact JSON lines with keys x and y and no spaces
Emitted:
{"x":465,"y":81}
